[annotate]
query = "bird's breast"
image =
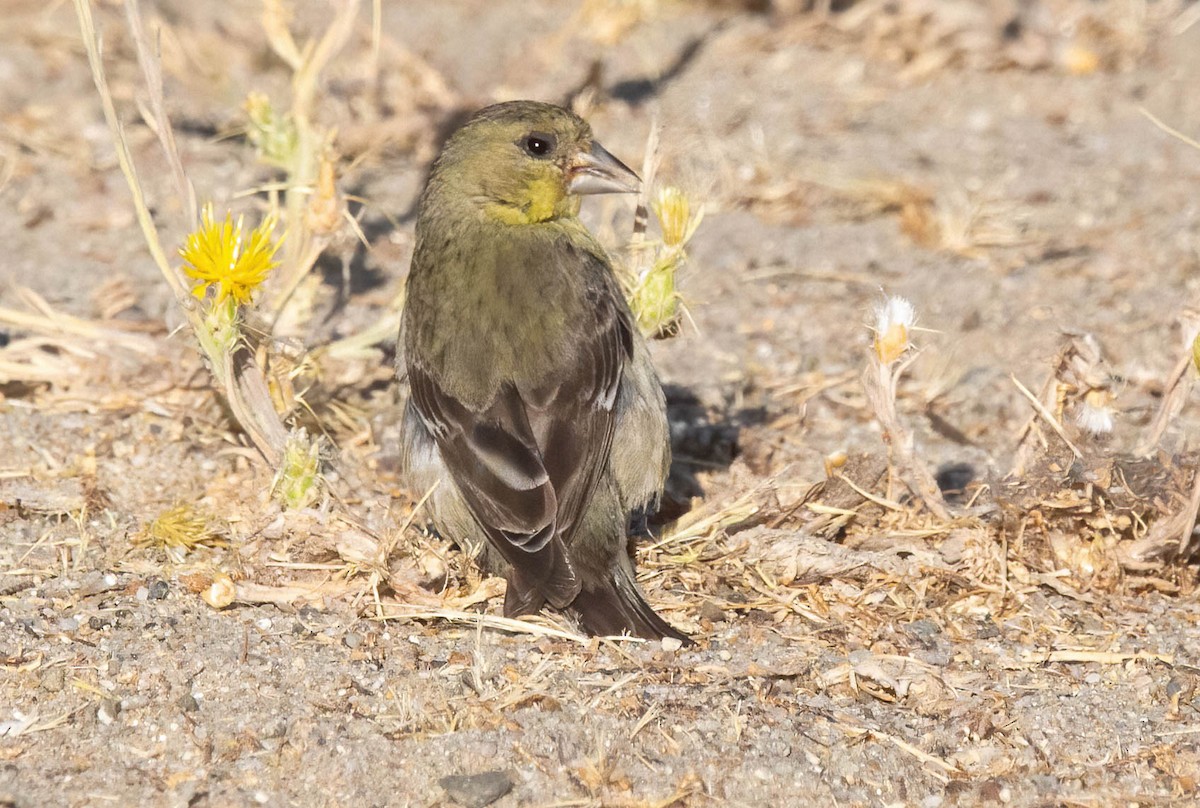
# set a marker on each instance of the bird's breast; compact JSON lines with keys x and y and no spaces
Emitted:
{"x":499,"y":305}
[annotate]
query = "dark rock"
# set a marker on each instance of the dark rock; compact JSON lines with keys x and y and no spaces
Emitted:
{"x":710,"y":611}
{"x":924,"y":632}
{"x":477,"y":790}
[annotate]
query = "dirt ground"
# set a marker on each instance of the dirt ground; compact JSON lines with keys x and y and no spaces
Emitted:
{"x":995,"y":163}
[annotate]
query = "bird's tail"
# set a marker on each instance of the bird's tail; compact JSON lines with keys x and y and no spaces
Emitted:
{"x":616,"y":606}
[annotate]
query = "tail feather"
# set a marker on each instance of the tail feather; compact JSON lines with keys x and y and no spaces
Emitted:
{"x":617,"y":607}
{"x":520,"y":598}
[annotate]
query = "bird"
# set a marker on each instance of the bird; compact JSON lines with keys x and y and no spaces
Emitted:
{"x":534,"y":413}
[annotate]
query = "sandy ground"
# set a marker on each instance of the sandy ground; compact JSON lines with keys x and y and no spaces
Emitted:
{"x":990,"y":162}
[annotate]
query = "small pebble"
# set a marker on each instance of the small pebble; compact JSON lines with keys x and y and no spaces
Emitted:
{"x":1092,"y":678}
{"x":158,"y":589}
{"x":94,"y":583}
{"x":711,"y":612}
{"x":142,"y":594}
{"x":188,"y":703}
{"x":352,"y":639}
{"x":107,"y":711}
{"x":53,"y":680}
{"x":100,"y":621}
{"x":68,"y":624}
{"x":671,"y":643}
{"x":263,"y":623}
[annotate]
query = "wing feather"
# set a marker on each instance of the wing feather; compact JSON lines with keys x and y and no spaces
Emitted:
{"x":527,"y":462}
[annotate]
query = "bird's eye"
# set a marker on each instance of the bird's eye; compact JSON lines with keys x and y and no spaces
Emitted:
{"x":537,"y":144}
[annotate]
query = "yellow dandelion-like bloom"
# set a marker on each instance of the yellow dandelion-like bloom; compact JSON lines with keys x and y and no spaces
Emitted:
{"x":222,"y":255}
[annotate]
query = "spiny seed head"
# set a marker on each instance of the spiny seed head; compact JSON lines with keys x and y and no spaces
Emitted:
{"x":298,"y":481}
{"x":893,"y":320}
{"x":223,"y":256}
{"x":178,"y":530}
{"x":274,"y":136}
{"x":654,"y":301}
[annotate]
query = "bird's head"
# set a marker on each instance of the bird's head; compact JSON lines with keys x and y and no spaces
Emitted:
{"x":523,"y":162}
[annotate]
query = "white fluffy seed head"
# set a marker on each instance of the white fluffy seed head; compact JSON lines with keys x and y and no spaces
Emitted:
{"x":893,"y":320}
{"x":1095,"y":413}
{"x":895,"y":311}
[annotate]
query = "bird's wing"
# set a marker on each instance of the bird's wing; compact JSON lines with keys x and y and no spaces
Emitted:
{"x":497,"y":466}
{"x":527,"y":465}
{"x":574,"y":418}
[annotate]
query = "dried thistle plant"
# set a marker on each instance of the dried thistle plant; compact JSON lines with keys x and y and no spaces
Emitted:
{"x":890,"y":355}
{"x":1179,"y":383}
{"x":1080,"y":385}
{"x":650,"y":279}
{"x":229,"y":263}
{"x":179,"y":530}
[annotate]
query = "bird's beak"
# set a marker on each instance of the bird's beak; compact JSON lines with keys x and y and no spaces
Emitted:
{"x":598,"y":172}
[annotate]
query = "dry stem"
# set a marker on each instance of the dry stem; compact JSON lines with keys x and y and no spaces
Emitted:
{"x":91,"y":41}
{"x":157,"y":114}
{"x":879,"y":382}
{"x":303,"y":245}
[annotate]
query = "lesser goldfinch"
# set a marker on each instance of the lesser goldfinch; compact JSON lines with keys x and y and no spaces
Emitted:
{"x":533,"y":404}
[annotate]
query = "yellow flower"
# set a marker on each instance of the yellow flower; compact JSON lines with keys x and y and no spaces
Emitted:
{"x":220,"y":254}
{"x":673,"y":210}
